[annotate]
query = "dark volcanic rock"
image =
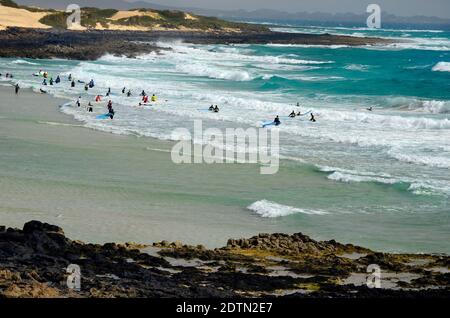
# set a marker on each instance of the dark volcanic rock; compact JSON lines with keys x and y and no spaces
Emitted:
{"x":33,"y":263}
{"x":92,"y":44}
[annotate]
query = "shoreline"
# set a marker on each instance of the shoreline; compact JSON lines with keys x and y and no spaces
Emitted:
{"x":91,"y":45}
{"x":134,"y":193}
{"x":276,"y":265}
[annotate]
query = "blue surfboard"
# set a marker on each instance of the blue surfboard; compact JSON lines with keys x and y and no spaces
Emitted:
{"x":104,"y":116}
{"x":269,"y":123}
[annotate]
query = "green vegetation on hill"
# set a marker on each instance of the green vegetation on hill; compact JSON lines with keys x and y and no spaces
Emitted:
{"x":90,"y":17}
{"x":9,"y":3}
{"x":12,"y":4}
{"x":176,"y":19}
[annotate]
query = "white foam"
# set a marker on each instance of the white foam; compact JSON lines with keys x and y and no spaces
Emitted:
{"x":20,"y":61}
{"x":356,"y":67}
{"x":186,"y":52}
{"x":348,"y":178}
{"x":419,"y":105}
{"x":442,"y":67}
{"x":198,"y":69}
{"x":427,"y":160}
{"x":269,"y":209}
{"x":416,"y":186}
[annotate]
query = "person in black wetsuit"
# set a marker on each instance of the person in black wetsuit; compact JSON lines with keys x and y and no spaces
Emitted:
{"x":292,"y":115}
{"x":109,"y":91}
{"x":16,"y":88}
{"x":72,"y":84}
{"x":109,"y":105}
{"x":313,"y":119}
{"x":211,"y":108}
{"x":129,"y":93}
{"x":111,"y":113}
{"x":277,"y":121}
{"x":123,"y":90}
{"x":57,"y":79}
{"x":143,"y":93}
{"x":86,"y":87}
{"x":216,"y":109}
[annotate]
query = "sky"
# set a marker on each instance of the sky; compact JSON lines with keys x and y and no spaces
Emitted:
{"x":438,"y":8}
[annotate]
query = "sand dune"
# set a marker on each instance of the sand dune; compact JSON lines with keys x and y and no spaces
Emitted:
{"x":128,"y":14}
{"x":10,"y":17}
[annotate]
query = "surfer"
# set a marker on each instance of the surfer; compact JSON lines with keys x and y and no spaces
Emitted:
{"x":123,"y":90}
{"x":57,"y":80}
{"x":109,"y":91}
{"x":129,"y":93}
{"x":90,"y":108}
{"x":91,"y":83}
{"x":153,"y":98}
{"x":277,"y":121}
{"x":216,"y":109}
{"x":143,"y":93}
{"x":292,"y":115}
{"x":42,"y":91}
{"x":109,"y":105}
{"x":111,"y":113}
{"x":44,"y":82}
{"x":370,"y":108}
{"x":298,"y":104}
{"x":211,"y":108}
{"x":72,"y":84}
{"x":70,"y":77}
{"x":98,"y":99}
{"x":313,"y":119}
{"x":51,"y":80}
{"x":145,"y":99}
{"x":86,"y":87}
{"x":16,"y":88}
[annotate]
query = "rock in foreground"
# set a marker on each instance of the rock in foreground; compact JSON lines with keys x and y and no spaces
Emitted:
{"x":34,"y":261}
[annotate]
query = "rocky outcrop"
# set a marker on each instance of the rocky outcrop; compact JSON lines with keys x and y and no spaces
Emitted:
{"x":284,"y":244}
{"x":34,"y":262}
{"x":92,"y":44}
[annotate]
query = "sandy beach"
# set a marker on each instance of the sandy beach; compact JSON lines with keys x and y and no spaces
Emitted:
{"x":103,"y":187}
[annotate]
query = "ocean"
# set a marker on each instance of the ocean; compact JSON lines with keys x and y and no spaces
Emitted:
{"x":379,"y":178}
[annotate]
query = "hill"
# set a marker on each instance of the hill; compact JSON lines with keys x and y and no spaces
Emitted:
{"x":139,"y":19}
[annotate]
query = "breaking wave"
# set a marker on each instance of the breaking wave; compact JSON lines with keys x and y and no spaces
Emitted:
{"x":269,"y":209}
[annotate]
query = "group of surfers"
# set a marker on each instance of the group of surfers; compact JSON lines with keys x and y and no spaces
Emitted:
{"x":98,"y":98}
{"x":144,"y":101}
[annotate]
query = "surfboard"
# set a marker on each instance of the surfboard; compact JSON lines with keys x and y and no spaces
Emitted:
{"x":104,"y":116}
{"x":268,"y":123}
{"x":307,"y":113}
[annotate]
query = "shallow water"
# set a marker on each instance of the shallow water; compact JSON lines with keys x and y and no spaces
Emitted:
{"x":379,"y":179}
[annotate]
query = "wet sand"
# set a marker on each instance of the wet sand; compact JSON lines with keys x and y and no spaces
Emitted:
{"x":103,"y":187}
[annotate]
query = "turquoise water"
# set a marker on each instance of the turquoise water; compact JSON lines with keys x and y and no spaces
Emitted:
{"x":353,"y":174}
